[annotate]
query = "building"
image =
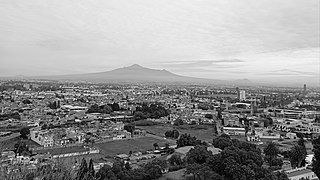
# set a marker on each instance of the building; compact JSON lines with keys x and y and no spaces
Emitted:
{"x":297,"y":174}
{"x":234,"y":131}
{"x":242,"y":95}
{"x":42,"y":137}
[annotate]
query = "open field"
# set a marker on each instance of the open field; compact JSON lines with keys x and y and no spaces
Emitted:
{"x":124,"y":146}
{"x":203,"y":132}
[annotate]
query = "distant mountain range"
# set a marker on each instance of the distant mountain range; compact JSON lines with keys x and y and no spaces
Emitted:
{"x":138,"y":74}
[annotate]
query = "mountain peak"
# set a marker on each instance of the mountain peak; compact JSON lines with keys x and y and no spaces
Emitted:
{"x":135,"y":66}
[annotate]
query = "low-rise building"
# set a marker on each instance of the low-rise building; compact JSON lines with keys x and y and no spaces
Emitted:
{"x":42,"y":137}
{"x":297,"y":174}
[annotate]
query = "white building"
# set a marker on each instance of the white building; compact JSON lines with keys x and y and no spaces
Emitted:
{"x":242,"y":95}
{"x":42,"y":137}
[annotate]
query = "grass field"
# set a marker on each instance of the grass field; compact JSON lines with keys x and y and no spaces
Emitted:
{"x":124,"y":146}
{"x":205,"y":132}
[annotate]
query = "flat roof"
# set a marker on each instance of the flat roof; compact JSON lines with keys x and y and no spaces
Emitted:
{"x":299,"y":172}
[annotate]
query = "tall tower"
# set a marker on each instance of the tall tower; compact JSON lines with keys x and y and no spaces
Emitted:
{"x":242,"y":95}
{"x":304,"y":89}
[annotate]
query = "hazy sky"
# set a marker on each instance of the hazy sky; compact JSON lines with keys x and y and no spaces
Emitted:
{"x":267,"y":40}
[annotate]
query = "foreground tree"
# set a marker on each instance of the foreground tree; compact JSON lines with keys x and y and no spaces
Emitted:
{"x":297,"y":156}
{"x":24,"y":132}
{"x":82,"y":171}
{"x":316,"y":159}
{"x":91,"y":171}
{"x":271,"y":152}
{"x":198,"y":154}
{"x":105,"y":173}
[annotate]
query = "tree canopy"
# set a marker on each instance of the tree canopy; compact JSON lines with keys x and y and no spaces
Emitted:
{"x":237,"y":161}
{"x":153,"y":110}
{"x":316,"y":160}
{"x":172,"y":134}
{"x":103,"y":109}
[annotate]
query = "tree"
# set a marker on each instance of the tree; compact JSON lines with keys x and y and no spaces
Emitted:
{"x":178,"y":122}
{"x":93,"y":109}
{"x":115,"y":106}
{"x":103,"y":109}
{"x":297,"y":155}
{"x":44,"y":126}
{"x":105,"y":172}
{"x":276,"y":163}
{"x":153,"y":110}
{"x":26,"y":101}
{"x":187,"y":140}
{"x":138,"y":174}
{"x":156,"y":146}
{"x":175,"y":159}
{"x":21,"y":148}
{"x":91,"y":169}
{"x":53,"y":105}
{"x":194,"y":169}
{"x":222,"y":141}
{"x":316,"y":159}
{"x":24,"y":132}
{"x":83,"y":169}
{"x":172,"y":134}
{"x":155,"y":168}
{"x":130,"y":128}
{"x":271,"y":151}
{"x":209,"y":116}
{"x":301,"y":142}
{"x":198,"y":154}
{"x":127,"y":166}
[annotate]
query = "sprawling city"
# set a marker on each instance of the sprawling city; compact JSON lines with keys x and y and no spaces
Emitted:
{"x":159,"y":90}
{"x":141,"y":131}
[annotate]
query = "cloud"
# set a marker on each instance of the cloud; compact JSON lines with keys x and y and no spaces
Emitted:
{"x":200,"y":64}
{"x":289,"y":72}
{"x":203,"y":61}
